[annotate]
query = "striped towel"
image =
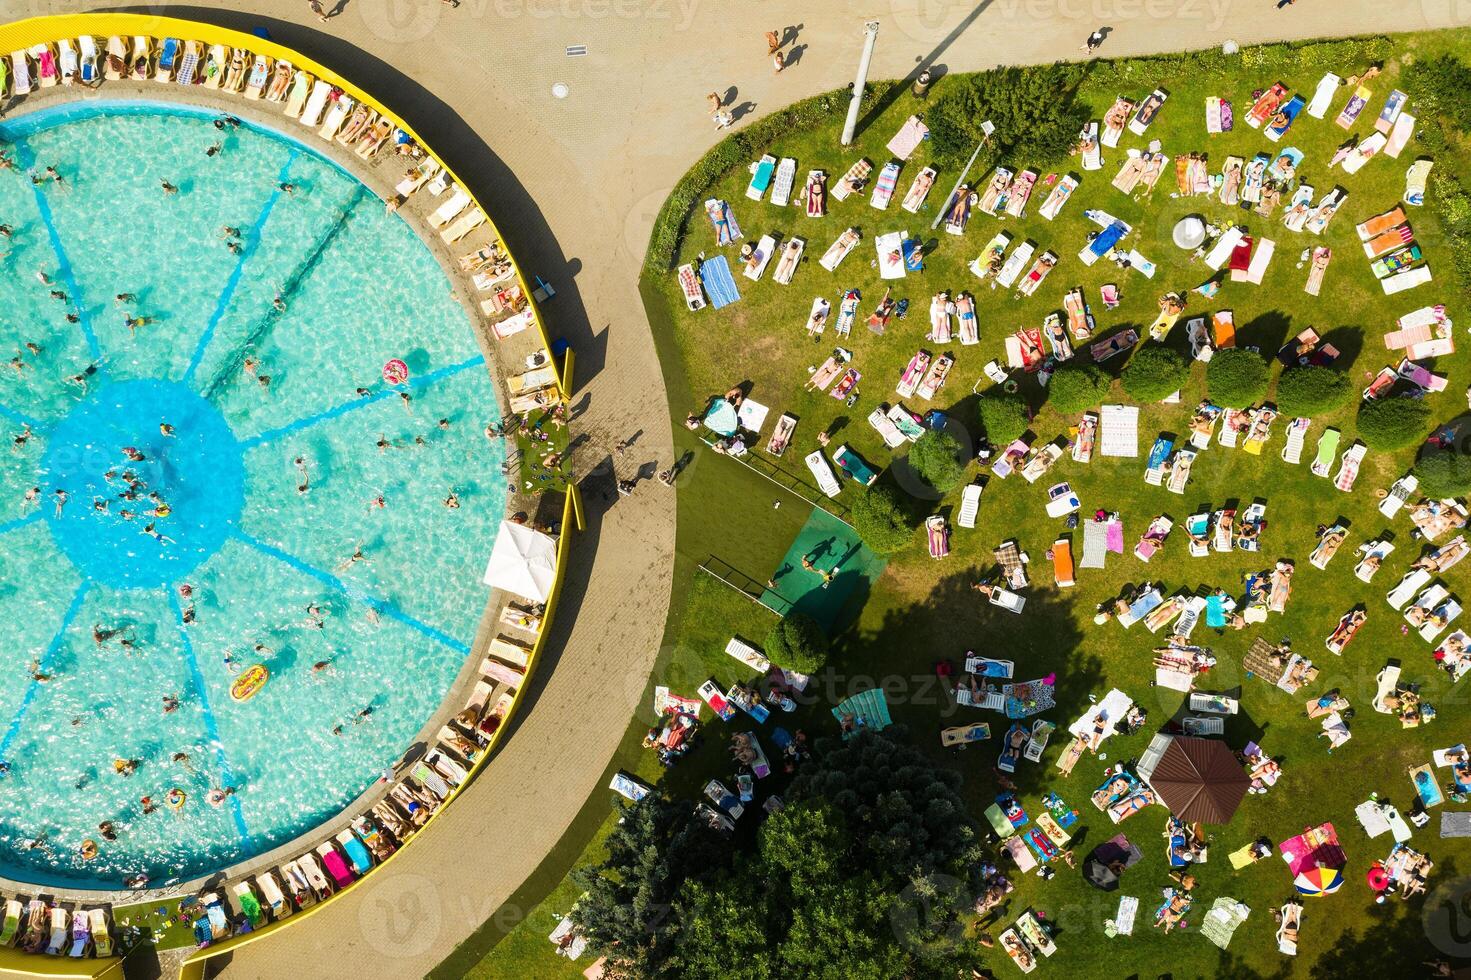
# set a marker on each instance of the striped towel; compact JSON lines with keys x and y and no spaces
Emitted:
{"x":1095,"y":545}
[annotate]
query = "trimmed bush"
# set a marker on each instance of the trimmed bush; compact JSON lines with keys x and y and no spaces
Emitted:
{"x":1004,"y":417}
{"x":1312,"y":390}
{"x":797,"y":643}
{"x":1439,"y":85}
{"x":1236,"y":378}
{"x":1075,"y":387}
{"x":1444,"y":474}
{"x":882,"y":520}
{"x":1154,"y":372}
{"x":936,"y":458}
{"x":1032,"y":109}
{"x":1393,"y":423}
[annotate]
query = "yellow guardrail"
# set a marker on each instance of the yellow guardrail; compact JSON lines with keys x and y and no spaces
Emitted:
{"x":23,"y":34}
{"x":38,"y":30}
{"x":17,"y":963}
{"x":571,"y":516}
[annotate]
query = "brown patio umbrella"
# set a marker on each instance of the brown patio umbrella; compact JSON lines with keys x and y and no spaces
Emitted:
{"x":1199,"y":779}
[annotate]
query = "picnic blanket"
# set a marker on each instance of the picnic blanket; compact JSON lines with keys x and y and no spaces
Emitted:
{"x":1120,"y":435}
{"x":1455,"y":823}
{"x":719,"y":284}
{"x":907,"y":140}
{"x":1095,"y":545}
{"x":1222,"y":919}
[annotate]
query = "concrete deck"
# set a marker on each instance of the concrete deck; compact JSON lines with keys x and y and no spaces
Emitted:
{"x":574,"y":185}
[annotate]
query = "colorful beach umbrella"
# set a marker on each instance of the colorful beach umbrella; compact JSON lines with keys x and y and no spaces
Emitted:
{"x":1319,"y":881}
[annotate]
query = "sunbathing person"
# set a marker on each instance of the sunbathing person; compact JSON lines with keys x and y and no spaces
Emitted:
{"x":1130,"y":805}
{"x":1173,"y":910}
{"x":788,"y":264}
{"x":816,"y":195}
{"x":1347,"y":627}
{"x":1118,"y":116}
{"x":1115,"y":789}
{"x":1017,"y":951}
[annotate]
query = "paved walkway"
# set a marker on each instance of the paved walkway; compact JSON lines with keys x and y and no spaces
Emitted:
{"x":575,"y":184}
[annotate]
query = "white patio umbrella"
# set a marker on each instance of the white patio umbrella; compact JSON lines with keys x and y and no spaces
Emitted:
{"x":523,"y":562}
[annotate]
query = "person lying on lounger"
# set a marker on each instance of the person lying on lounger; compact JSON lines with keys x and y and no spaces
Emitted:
{"x":1131,"y":805}
{"x":1346,"y":628}
{"x":1116,"y":787}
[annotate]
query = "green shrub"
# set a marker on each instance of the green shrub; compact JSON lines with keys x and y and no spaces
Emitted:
{"x":882,"y":520}
{"x":797,"y":643}
{"x":1154,"y":372}
{"x":1004,"y":417}
{"x":1033,"y":109}
{"x":1075,"y":387}
{"x":1393,"y":423}
{"x":1312,"y":390}
{"x":1236,"y":378}
{"x":936,"y":457}
{"x":1438,"y":86}
{"x":1444,"y":474}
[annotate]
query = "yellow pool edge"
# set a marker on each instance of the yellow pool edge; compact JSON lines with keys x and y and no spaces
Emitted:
{"x":23,"y":34}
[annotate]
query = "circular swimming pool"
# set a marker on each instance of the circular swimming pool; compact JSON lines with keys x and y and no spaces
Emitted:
{"x":208,"y":473}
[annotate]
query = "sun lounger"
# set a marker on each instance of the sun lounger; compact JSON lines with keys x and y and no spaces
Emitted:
{"x":1086,"y":438}
{"x":316,"y":104}
{"x":839,"y":250}
{"x":1147,"y":111}
{"x":463,"y":225}
{"x":1058,"y":196}
{"x":47,"y":73}
{"x":1221,"y":252}
{"x":761,"y":175}
{"x":1348,"y":470}
{"x":818,"y":465}
{"x":1398,"y":495}
{"x":59,"y":922}
{"x":755,"y":266}
{"x":853,"y":180}
{"x":1021,"y":193}
{"x":883,"y":188}
{"x":1180,"y":472}
{"x":786,"y":173}
{"x":1154,"y":470}
{"x":791,"y":258}
{"x":1281,"y":123}
{"x":689,"y":287}
{"x":1414,"y":580}
{"x":886,"y":428}
{"x":1327,"y":449}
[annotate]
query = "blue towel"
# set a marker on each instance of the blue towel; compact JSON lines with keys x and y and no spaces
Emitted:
{"x":1215,"y":612}
{"x":913,"y":257}
{"x":719,"y":285}
{"x":1107,"y":239}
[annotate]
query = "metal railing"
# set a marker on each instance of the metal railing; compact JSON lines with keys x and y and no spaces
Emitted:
{"x":790,"y":482}
{"x":757,"y":591}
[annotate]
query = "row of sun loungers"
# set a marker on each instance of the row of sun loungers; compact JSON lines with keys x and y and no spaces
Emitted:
{"x":40,"y":927}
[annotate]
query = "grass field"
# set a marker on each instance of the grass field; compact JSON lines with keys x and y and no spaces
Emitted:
{"x":922,"y":611}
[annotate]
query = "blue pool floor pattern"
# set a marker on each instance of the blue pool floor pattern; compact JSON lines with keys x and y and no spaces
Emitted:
{"x":403,"y":704}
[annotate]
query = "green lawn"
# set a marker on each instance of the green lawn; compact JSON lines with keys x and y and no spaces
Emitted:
{"x":921,"y":611}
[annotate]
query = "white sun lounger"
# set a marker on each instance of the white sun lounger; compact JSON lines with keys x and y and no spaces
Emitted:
{"x":785,"y":278}
{"x":1348,"y":468}
{"x":838,"y":250}
{"x":887,"y":246}
{"x":886,"y":428}
{"x":335,"y":117}
{"x":1373,"y":549}
{"x":466,"y":223}
{"x":1398,"y":495}
{"x":451,"y":208}
{"x":1220,"y":253}
{"x":764,"y":249}
{"x":822,"y":471}
{"x":20,"y":73}
{"x":1323,"y":95}
{"x":1261,"y":254}
{"x":1180,"y":475}
{"x":970,"y":505}
{"x":781,"y":191}
{"x":1297,"y":431}
{"x":118,"y":48}
{"x":1415,"y":580}
{"x":1009,"y":601}
{"x":316,"y":103}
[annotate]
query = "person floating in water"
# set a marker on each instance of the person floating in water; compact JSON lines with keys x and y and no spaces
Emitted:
{"x":165,"y":429}
{"x":60,"y":496}
{"x":170,"y":704}
{"x":168,"y":188}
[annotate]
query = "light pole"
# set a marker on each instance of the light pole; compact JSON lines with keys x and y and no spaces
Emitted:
{"x":870,"y":34}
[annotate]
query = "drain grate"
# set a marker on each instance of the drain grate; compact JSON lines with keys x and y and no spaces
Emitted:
{"x":576,"y":50}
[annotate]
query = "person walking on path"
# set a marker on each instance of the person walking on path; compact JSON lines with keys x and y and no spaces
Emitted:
{"x":316,"y":6}
{"x":1094,"y":40}
{"x":1285,"y":3}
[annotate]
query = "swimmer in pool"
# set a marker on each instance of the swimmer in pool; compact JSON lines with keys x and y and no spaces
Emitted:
{"x":125,"y":298}
{"x":452,"y":501}
{"x":170,"y":704}
{"x":168,"y":188}
{"x":407,"y":400}
{"x":377,"y":503}
{"x":165,"y":429}
{"x":60,"y":497}
{"x":228,"y":231}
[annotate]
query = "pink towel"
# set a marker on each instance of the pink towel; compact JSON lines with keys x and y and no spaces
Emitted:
{"x":908,"y":138}
{"x":1116,"y":537}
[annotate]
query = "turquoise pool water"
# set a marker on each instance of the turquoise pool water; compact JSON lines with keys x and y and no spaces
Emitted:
{"x":168,"y":424}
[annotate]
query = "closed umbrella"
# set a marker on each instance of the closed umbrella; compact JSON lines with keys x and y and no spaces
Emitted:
{"x":1100,"y":875}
